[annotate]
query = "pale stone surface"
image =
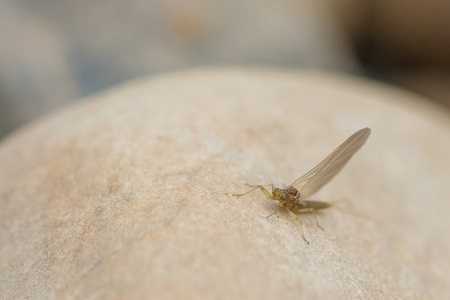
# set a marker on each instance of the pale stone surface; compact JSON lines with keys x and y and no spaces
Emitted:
{"x":127,"y":195}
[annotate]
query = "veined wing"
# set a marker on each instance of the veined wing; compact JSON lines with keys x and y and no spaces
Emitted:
{"x":321,"y":174}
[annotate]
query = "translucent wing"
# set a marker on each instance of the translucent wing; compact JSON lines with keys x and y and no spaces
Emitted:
{"x":321,"y":174}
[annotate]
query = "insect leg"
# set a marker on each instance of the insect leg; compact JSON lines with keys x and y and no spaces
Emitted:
{"x":263,"y":189}
{"x":274,"y":212}
{"x":279,"y":204}
{"x":308,"y":210}
{"x":300,"y":221}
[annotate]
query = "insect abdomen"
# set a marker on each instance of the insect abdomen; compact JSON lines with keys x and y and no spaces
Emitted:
{"x":317,"y":204}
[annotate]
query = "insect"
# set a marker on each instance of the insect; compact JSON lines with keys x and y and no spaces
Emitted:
{"x":293,"y":197}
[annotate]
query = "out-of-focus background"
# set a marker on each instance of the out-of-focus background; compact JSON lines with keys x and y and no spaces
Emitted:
{"x":54,"y":52}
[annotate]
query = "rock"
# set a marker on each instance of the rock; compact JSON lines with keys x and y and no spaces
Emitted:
{"x":128,"y":194}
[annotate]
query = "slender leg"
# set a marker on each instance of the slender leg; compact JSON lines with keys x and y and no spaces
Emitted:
{"x":263,"y":189}
{"x":308,"y":210}
{"x":298,"y":220}
{"x":273,"y":213}
{"x":317,"y":222}
{"x":278,"y":206}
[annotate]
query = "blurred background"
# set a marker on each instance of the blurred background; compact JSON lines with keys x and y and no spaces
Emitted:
{"x":54,"y":52}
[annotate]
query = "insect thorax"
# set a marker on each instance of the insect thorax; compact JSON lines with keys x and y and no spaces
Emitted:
{"x":289,"y":197}
{"x":291,"y":191}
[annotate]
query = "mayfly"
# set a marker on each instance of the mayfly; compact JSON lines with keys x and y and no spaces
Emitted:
{"x":293,"y":197}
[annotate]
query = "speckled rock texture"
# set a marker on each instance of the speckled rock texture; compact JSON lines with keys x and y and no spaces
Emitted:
{"x":128,"y":194}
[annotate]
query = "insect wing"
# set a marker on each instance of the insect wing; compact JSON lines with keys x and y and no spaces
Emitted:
{"x":321,"y":174}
